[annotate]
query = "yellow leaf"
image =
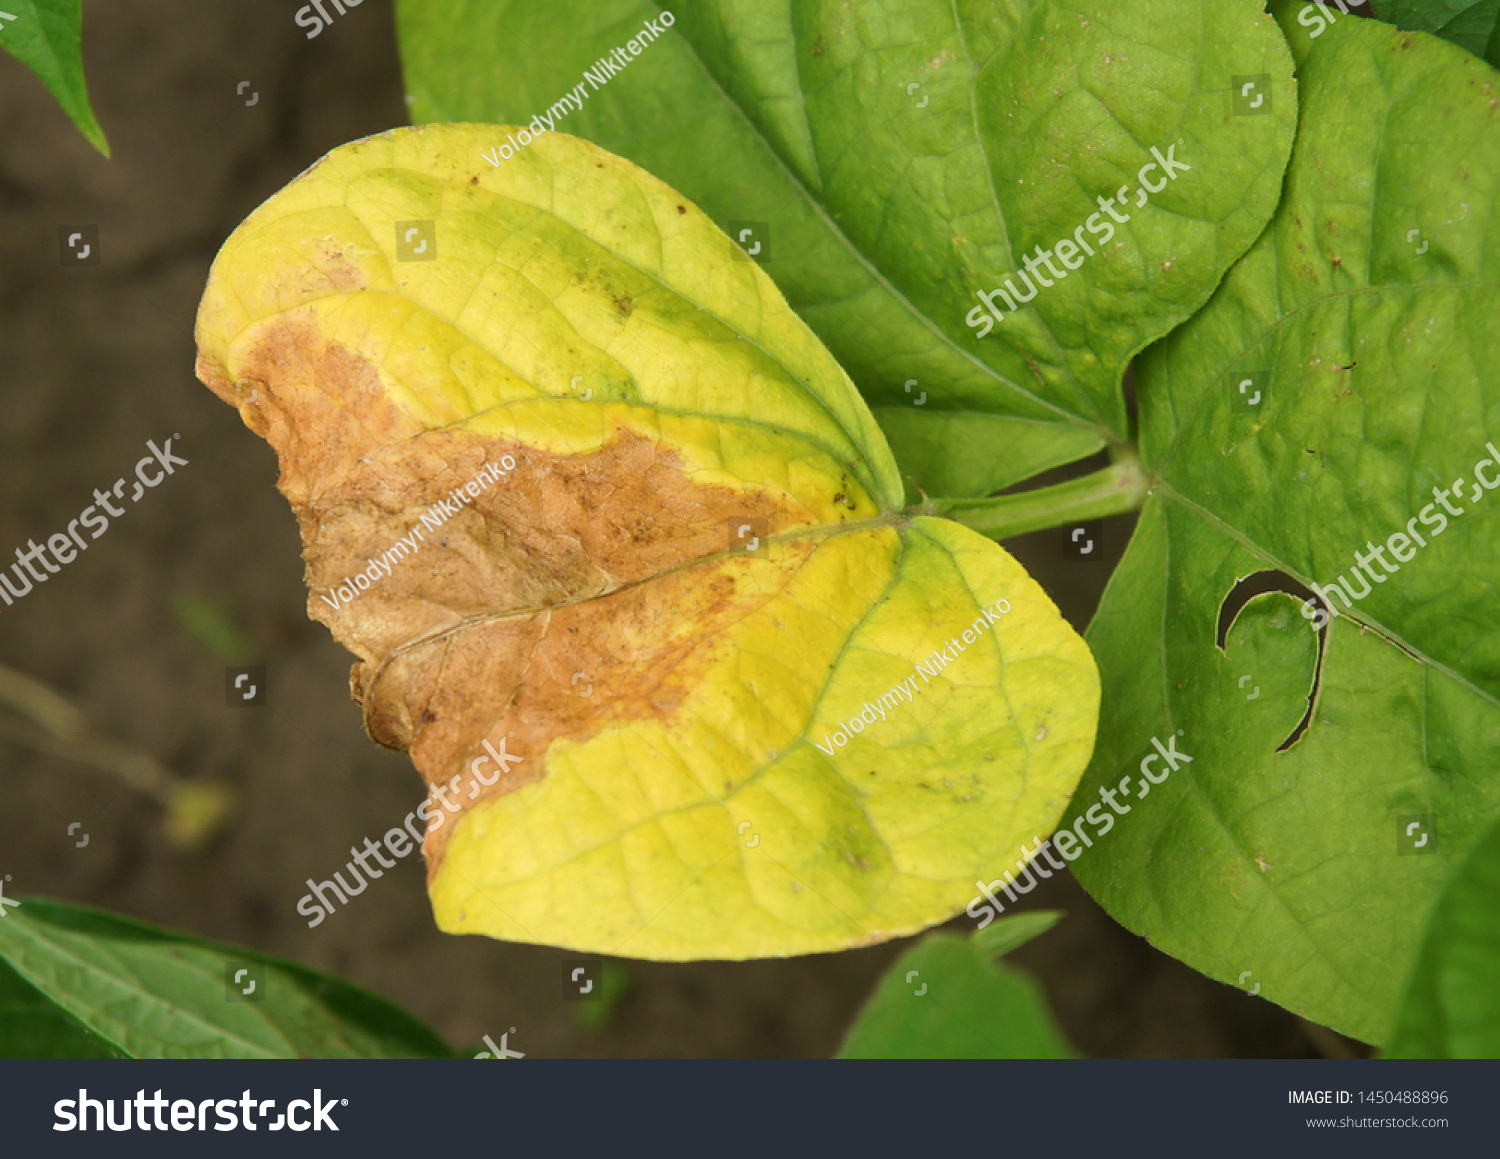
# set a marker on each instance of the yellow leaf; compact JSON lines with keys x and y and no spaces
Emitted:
{"x":619,"y":548}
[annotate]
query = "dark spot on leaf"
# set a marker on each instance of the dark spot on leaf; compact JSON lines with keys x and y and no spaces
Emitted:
{"x":682,"y":209}
{"x":817,"y":45}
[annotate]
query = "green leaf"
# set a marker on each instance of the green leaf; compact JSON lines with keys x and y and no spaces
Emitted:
{"x":33,"y":1027}
{"x":904,"y":159}
{"x":1471,"y":24}
{"x":157,"y":994}
{"x":615,"y":983}
{"x":970,"y":453}
{"x":947,"y":998}
{"x":1452,"y":1003}
{"x":212,"y":626}
{"x":1368,"y":319}
{"x":999,"y":938}
{"x":46,"y":36}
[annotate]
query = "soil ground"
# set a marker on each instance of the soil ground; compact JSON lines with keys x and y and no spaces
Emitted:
{"x":99,"y":359}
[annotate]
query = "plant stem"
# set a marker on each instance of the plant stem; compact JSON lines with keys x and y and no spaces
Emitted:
{"x":43,"y":719}
{"x":1120,"y":487}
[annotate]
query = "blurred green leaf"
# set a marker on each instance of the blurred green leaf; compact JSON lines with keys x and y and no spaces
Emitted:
{"x":946,"y":998}
{"x":47,"y":37}
{"x":158,"y":994}
{"x":1452,"y":1003}
{"x":213,"y":627}
{"x":999,"y":938}
{"x":615,"y":982}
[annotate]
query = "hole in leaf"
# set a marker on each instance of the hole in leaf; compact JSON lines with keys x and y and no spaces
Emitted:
{"x":1258,"y":585}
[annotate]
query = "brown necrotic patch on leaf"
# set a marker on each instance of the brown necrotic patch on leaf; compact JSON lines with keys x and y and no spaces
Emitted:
{"x":570,"y":593}
{"x":553,"y":530}
{"x":489,"y":616}
{"x":570,"y":672}
{"x":320,"y":405}
{"x":324,"y":270}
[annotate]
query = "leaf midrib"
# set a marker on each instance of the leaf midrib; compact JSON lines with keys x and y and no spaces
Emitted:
{"x":819,"y":531}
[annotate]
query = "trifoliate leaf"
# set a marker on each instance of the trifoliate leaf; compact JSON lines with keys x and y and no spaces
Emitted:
{"x":1330,"y":418}
{"x":620,"y":551}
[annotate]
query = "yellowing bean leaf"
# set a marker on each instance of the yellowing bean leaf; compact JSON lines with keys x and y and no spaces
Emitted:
{"x":621,"y":554}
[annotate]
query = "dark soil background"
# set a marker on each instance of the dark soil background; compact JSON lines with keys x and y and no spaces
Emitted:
{"x":95,"y":360}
